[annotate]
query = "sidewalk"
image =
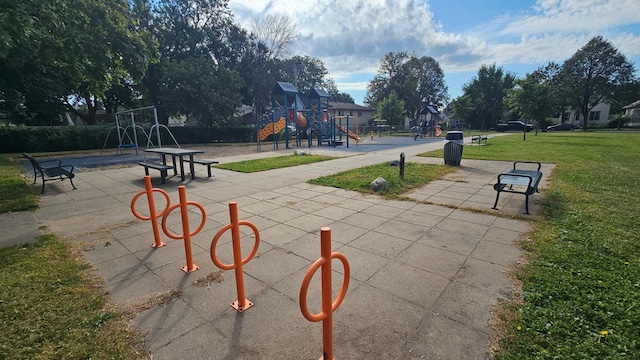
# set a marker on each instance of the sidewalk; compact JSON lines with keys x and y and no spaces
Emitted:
{"x":424,"y":276}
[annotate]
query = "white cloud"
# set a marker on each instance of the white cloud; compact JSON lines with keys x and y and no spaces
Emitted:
{"x":351,"y":37}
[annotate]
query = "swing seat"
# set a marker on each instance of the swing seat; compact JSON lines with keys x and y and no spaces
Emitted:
{"x":127,"y":145}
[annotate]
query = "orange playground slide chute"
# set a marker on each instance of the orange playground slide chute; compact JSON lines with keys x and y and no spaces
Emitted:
{"x":351,"y":134}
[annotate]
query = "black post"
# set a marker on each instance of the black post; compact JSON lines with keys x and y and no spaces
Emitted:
{"x":402,"y":166}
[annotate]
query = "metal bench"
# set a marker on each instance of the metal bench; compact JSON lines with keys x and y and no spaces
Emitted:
{"x":160,"y":167}
{"x":50,"y":170}
{"x":205,"y":162}
{"x":479,"y":139}
{"x":525,"y":180}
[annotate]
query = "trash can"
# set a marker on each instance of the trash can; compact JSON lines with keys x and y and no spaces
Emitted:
{"x":453,"y":146}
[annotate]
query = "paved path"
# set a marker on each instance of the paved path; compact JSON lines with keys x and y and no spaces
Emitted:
{"x":425,"y":274}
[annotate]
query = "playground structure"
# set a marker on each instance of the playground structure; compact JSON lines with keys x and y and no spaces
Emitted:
{"x":128,"y":129}
{"x":293,"y":120}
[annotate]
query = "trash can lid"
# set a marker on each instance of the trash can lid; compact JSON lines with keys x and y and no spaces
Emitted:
{"x":454,"y":135}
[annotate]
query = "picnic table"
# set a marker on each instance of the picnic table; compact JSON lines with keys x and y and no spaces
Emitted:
{"x":184,"y":155}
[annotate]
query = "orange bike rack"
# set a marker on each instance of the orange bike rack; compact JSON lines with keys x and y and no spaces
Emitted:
{"x":326,"y":316}
{"x":242,"y":303}
{"x":153,"y":216}
{"x":186,"y":233}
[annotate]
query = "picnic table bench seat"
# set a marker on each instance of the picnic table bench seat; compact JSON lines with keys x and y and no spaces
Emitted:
{"x":160,"y":167}
{"x":205,"y":162}
{"x":479,"y":139}
{"x":525,"y":181}
{"x":51,"y":169}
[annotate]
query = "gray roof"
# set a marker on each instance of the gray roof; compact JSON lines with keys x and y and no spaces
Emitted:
{"x":348,"y":106}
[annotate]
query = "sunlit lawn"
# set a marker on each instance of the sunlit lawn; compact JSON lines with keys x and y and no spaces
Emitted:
{"x":581,"y":285}
{"x":359,"y":179}
{"x":272,"y":163}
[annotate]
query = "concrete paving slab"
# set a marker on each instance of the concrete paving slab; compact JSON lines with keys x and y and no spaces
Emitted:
{"x":424,"y":277}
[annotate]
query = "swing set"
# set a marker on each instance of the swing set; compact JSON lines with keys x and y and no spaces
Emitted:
{"x":128,"y":130}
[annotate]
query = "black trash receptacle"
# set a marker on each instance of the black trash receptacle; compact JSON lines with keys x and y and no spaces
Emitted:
{"x":453,"y":146}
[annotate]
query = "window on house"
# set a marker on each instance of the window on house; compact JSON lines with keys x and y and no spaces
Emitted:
{"x":594,"y":116}
{"x":359,"y":113}
{"x":577,"y":119}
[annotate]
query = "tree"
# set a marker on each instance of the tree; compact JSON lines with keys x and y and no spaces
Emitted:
{"x":534,"y":96}
{"x":277,"y":32}
{"x":305,"y":72}
{"x":199,"y":48}
{"x":416,"y":81}
{"x":65,"y":54}
{"x":483,"y":99}
{"x":592,"y":75}
{"x":391,"y":109}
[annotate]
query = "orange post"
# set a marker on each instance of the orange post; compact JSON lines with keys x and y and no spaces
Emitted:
{"x":153,"y":216}
{"x":186,"y":233}
{"x":242,"y":303}
{"x":326,"y":316}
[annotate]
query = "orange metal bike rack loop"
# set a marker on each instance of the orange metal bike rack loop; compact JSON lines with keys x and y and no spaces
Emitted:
{"x":153,"y":216}
{"x":242,"y":303}
{"x":326,"y":315}
{"x":186,"y":231}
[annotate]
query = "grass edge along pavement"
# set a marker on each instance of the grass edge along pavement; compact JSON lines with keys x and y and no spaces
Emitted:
{"x":580,"y":295}
{"x":50,"y":307}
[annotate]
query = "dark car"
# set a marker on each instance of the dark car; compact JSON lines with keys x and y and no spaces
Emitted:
{"x":563,"y":127}
{"x":514,"y":126}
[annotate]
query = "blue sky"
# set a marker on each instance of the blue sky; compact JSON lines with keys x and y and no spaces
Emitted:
{"x":352,"y":36}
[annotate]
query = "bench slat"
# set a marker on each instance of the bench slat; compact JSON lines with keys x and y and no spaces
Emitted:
{"x":518,"y":177}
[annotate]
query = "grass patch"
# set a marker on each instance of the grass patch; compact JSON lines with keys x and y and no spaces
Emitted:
{"x":15,"y":193}
{"x":581,"y":284}
{"x":271,"y":163}
{"x":49,"y":311}
{"x":415,"y":175}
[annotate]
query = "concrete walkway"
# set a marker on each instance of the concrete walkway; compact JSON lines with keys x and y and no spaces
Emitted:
{"x":425,"y":274}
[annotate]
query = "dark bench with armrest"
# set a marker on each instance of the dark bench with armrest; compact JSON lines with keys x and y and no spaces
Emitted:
{"x":50,"y":170}
{"x":161,"y":167}
{"x":479,"y":139}
{"x":205,"y":162}
{"x":525,"y":180}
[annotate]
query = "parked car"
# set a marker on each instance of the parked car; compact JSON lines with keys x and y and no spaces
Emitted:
{"x":563,"y":127}
{"x":514,"y":126}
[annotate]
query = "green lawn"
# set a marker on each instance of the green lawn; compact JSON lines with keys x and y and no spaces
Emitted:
{"x":581,"y":284}
{"x":360,"y":178}
{"x":271,"y":163}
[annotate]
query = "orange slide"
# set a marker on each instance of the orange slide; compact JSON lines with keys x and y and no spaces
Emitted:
{"x":271,"y":128}
{"x":438,"y":131}
{"x":351,"y":135}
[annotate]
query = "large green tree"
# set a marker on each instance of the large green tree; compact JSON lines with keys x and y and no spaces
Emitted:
{"x":416,"y":81}
{"x":592,"y":75}
{"x":200,"y":51}
{"x":534,"y":97}
{"x":483,"y":102}
{"x":64,"y":54}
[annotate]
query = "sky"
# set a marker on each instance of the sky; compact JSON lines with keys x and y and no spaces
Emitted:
{"x":351,"y":37}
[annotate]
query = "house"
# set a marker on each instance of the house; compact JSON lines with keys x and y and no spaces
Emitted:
{"x":632,"y":111}
{"x":363,"y":114}
{"x":599,"y":115}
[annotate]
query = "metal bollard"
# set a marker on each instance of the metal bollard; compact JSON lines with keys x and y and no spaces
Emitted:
{"x":186,"y":233}
{"x":242,"y":303}
{"x":326,"y":316}
{"x":153,"y":216}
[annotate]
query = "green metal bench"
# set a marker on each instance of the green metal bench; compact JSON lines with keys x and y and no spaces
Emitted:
{"x":51,"y":169}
